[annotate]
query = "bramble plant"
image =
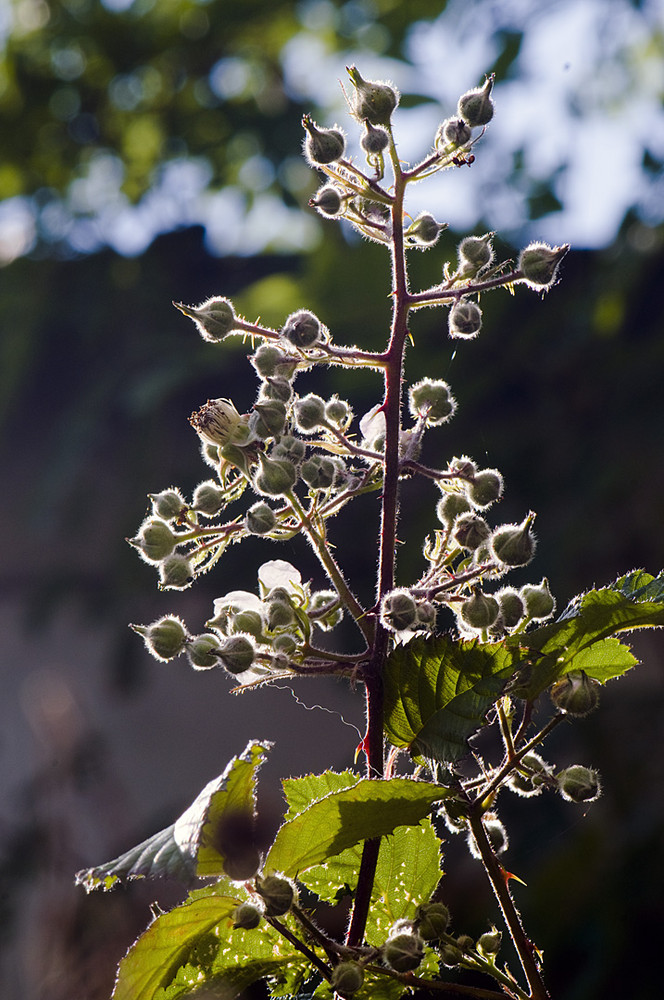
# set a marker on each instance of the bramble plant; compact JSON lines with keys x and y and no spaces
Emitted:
{"x":438,"y":659}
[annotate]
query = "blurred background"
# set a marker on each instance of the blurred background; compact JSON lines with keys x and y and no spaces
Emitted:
{"x":150,"y":153}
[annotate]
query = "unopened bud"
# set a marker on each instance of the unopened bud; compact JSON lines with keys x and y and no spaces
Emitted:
{"x":424,"y":230}
{"x":488,"y":944}
{"x":277,"y":893}
{"x":476,"y":106}
{"x":512,"y":608}
{"x":203,"y":651}
{"x":514,"y":544}
{"x":338,"y":412}
{"x":432,"y":400}
{"x":309,"y":413}
{"x":475,"y":253}
{"x":485,"y":488}
{"x":175,"y":573}
{"x":290,"y":449}
{"x":372,"y":101}
{"x":328,"y":201}
{"x":346,"y":978}
{"x":165,"y":638}
{"x":270,"y":361}
{"x":275,"y":477}
{"x":208,"y":499}
{"x":464,"y":321}
{"x":155,"y":540}
{"x":575,"y":693}
{"x":539,"y":601}
{"x":452,"y":132}
{"x":398,"y":610}
{"x":450,"y":506}
{"x":480,"y":611}
{"x":325,"y":609}
{"x":215,"y":318}
{"x":260,"y":519}
{"x":404,"y":952}
{"x":237,"y":654}
{"x":375,"y":140}
{"x":168,"y":504}
{"x":318,"y":472}
{"x":246,"y":917}
{"x":432,"y":920}
{"x":471,"y":531}
{"x":302,"y":329}
{"x":276,"y":387}
{"x":268,"y":418}
{"x":578,"y":784}
{"x":450,"y":955}
{"x":322,"y":145}
{"x":539,"y":264}
{"x":532,"y":778}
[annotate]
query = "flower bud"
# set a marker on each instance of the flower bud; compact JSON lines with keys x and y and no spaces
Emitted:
{"x":514,"y":544}
{"x":485,"y":488}
{"x":464,"y":320}
{"x":372,"y":101}
{"x":203,"y":651}
{"x":237,"y":654}
{"x":276,"y":387}
{"x":249,"y":621}
{"x":432,"y":400}
{"x":450,"y":955}
{"x":309,"y":413}
{"x":270,"y":361}
{"x":168,"y":504}
{"x":219,"y":423}
{"x":450,"y":506}
{"x":322,"y":145}
{"x":424,"y":230}
{"x":328,"y":201}
{"x":479,"y":611}
{"x":165,"y":638}
{"x":432,"y":920}
{"x":275,"y":477}
{"x":338,"y":412}
{"x":426,"y":615}
{"x":476,"y":106}
{"x":260,"y":519}
{"x":325,"y":609}
{"x":277,"y":893}
{"x":289,"y":449}
{"x":346,"y":978}
{"x":284,"y":643}
{"x":512,"y":608}
{"x":575,"y":693}
{"x":496,"y":833}
{"x":465,"y":943}
{"x":470,"y":531}
{"x":155,"y":540}
{"x":302,"y":329}
{"x":318,"y":472}
{"x":488,"y":944}
{"x":208,"y":499}
{"x":215,"y":318}
{"x":268,"y":418}
{"x":246,"y":917}
{"x":475,"y":253}
{"x":539,"y":264}
{"x":404,"y":952}
{"x":375,"y":140}
{"x":452,"y":132}
{"x":280,"y":614}
{"x":175,"y":573}
{"x":398,"y":610}
{"x":532,"y":782}
{"x":539,"y":601}
{"x":578,"y":784}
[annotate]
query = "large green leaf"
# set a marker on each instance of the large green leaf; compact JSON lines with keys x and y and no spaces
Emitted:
{"x":370,"y":808}
{"x":438,"y":691}
{"x":214,"y":830}
{"x":407,"y":873}
{"x":300,"y":793}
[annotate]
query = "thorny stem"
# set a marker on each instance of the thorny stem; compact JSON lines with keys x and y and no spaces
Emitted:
{"x":439,"y":985}
{"x":509,"y":765}
{"x":300,"y":946}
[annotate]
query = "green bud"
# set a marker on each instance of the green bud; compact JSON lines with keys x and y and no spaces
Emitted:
{"x":432,"y":920}
{"x":237,"y":654}
{"x":452,"y":132}
{"x":398,"y":610}
{"x":202,"y":651}
{"x":514,"y":544}
{"x":488,"y":944}
{"x":155,"y":540}
{"x":280,"y":614}
{"x":218,"y":422}
{"x":208,"y":499}
{"x":463,"y":467}
{"x":284,"y":643}
{"x":496,"y":833}
{"x":338,"y":412}
{"x":404,"y":952}
{"x":302,"y":329}
{"x":470,"y":531}
{"x":450,"y":955}
{"x":309,"y":413}
{"x":426,"y":615}
{"x":450,"y":506}
{"x":475,"y":253}
{"x":424,"y":230}
{"x":375,"y":139}
{"x":325,"y":609}
{"x":532,"y":779}
{"x":575,"y":693}
{"x":275,"y":477}
{"x":328,"y":201}
{"x":432,"y":400}
{"x":260,"y":519}
{"x":465,"y":943}
{"x":270,"y":361}
{"x":175,"y":573}
{"x":485,"y":488}
{"x":168,"y":504}
{"x":289,"y":449}
{"x":578,"y":784}
{"x":249,"y":621}
{"x":539,"y":264}
{"x":476,"y":106}
{"x":165,"y":638}
{"x":539,"y":601}
{"x":322,"y":145}
{"x":512,"y":608}
{"x":268,"y":418}
{"x":246,"y":917}
{"x":277,"y":893}
{"x":464,"y":320}
{"x":372,"y":101}
{"x":318,"y":472}
{"x":276,"y":387}
{"x":215,"y":318}
{"x":479,"y":611}
{"x":346,"y":978}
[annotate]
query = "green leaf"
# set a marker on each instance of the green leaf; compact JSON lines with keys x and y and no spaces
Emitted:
{"x":201,"y":841}
{"x":438,"y":691}
{"x":370,"y":808}
{"x":300,"y":793}
{"x":407,"y":873}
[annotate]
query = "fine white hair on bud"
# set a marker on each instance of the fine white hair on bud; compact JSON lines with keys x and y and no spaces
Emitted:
{"x":539,"y":263}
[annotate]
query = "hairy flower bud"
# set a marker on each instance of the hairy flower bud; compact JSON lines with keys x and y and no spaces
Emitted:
{"x":302,"y":329}
{"x":476,"y":106}
{"x":218,"y":422}
{"x":309,"y":413}
{"x":479,"y":611}
{"x":452,"y":132}
{"x":270,"y":361}
{"x":531,"y":779}
{"x":403,"y":952}
{"x":276,"y":387}
{"x":398,"y":610}
{"x":260,"y":519}
{"x":215,"y":318}
{"x":578,"y":784}
{"x":325,"y":609}
{"x":464,"y":320}
{"x":338,"y":412}
{"x":203,"y":651}
{"x":328,"y":201}
{"x":322,"y":145}
{"x":471,"y":531}
{"x":539,"y":264}
{"x":275,"y":477}
{"x":208,"y":499}
{"x":175,"y":573}
{"x":424,"y":230}
{"x":246,"y":917}
{"x":155,"y":540}
{"x":450,"y":955}
{"x":575,"y":693}
{"x":485,"y":488}
{"x":346,"y":978}
{"x":512,"y":608}
{"x":514,"y":544}
{"x":432,"y":920}
{"x":432,"y":400}
{"x":488,"y":944}
{"x":277,"y":893}
{"x":268,"y":418}
{"x":168,"y":504}
{"x":450,"y":506}
{"x":475,"y":253}
{"x":318,"y":472}
{"x":539,"y":601}
{"x":237,"y":654}
{"x":375,"y":139}
{"x":373,"y":101}
{"x":165,"y":638}
{"x":289,"y":449}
